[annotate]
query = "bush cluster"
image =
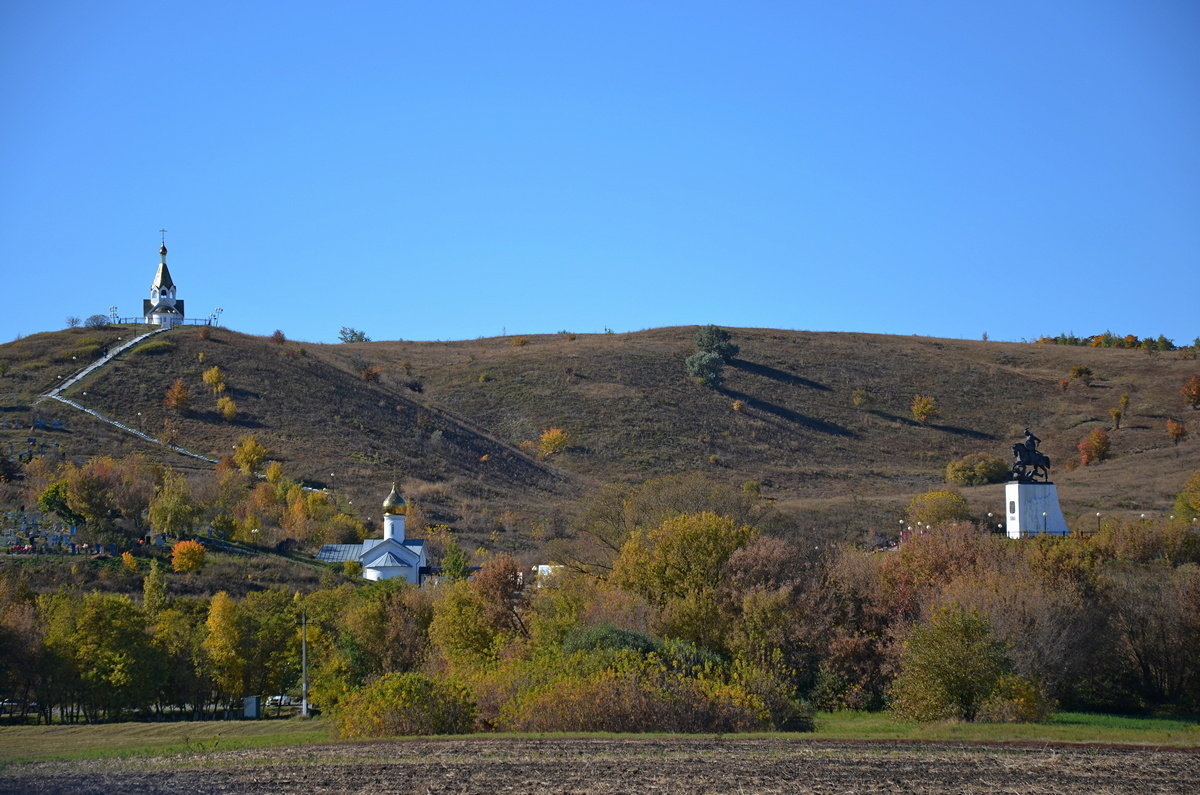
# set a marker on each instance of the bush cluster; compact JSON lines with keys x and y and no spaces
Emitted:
{"x":977,"y":469}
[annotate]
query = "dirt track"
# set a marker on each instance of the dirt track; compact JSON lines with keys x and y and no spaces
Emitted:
{"x":688,"y":765}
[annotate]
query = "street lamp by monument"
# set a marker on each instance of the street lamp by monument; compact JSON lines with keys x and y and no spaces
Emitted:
{"x":1097,"y":521}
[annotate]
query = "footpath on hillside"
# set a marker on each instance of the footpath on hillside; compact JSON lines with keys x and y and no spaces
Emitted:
{"x":56,"y":394}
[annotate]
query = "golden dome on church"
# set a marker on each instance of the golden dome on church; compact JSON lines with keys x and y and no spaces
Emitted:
{"x":395,"y":504}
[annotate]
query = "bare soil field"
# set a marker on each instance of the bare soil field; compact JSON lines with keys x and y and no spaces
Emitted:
{"x":693,"y":765}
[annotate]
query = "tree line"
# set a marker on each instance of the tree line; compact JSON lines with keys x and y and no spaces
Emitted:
{"x":677,"y":606}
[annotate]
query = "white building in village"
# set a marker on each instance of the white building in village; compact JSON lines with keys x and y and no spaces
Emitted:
{"x":162,"y":308}
{"x":388,"y":557}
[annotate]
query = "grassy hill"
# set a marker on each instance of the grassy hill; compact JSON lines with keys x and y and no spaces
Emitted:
{"x":447,"y":419}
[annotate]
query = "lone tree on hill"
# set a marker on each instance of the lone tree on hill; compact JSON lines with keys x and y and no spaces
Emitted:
{"x":178,"y":397}
{"x":348,"y":334}
{"x":714,"y":339}
{"x":705,"y":367}
{"x":924,"y":408}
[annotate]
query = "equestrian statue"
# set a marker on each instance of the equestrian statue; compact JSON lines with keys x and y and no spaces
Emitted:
{"x":1031,"y":465}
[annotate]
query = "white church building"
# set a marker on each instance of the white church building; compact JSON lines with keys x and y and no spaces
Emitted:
{"x":162,"y":308}
{"x":384,"y":558}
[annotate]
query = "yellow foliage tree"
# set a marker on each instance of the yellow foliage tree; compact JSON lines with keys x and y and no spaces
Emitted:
{"x":249,"y":454}
{"x":188,"y":556}
{"x":924,"y":408}
{"x":227,"y":408}
{"x":215,"y":379}
{"x":938,"y":506}
{"x":553,"y":440}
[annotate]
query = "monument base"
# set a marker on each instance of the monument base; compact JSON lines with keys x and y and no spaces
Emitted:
{"x":1033,"y":510}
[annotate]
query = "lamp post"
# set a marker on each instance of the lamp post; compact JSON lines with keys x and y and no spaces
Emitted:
{"x":1045,"y":526}
{"x":1097,"y":521}
{"x":304,"y":663}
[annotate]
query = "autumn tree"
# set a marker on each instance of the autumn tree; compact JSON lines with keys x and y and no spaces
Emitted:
{"x":1187,"y":502}
{"x":924,"y":408}
{"x":977,"y":469}
{"x":227,"y":408}
{"x":178,"y":396}
{"x":1115,"y":413}
{"x":215,"y":379}
{"x":187,"y":556}
{"x":676,"y":567}
{"x":224,"y":647}
{"x":1176,"y":430}
{"x":1191,"y":391}
{"x":552,"y":440}
{"x":1081,"y":373}
{"x":498,"y":585}
{"x":249,"y":454}
{"x":1094,"y":447}
{"x":714,"y":339}
{"x":1123,"y":404}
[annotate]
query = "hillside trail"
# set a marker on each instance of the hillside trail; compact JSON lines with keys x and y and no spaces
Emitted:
{"x":56,"y":394}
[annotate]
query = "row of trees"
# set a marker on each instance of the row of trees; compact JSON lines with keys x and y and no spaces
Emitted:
{"x":120,"y":500}
{"x":675,"y":609}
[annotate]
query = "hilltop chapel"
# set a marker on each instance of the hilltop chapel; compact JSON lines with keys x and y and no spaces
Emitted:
{"x":388,"y":557}
{"x":162,"y":308}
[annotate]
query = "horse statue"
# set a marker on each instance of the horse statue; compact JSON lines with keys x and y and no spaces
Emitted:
{"x":1030,"y":464}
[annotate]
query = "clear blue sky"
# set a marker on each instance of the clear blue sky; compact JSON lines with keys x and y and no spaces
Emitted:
{"x":449,"y":170}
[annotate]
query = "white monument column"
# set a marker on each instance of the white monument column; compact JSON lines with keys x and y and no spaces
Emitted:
{"x":1033,"y":510}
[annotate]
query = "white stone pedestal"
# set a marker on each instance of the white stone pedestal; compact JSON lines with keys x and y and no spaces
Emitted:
{"x":1033,"y":509}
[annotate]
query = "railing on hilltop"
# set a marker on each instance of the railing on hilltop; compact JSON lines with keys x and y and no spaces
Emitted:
{"x":141,"y":321}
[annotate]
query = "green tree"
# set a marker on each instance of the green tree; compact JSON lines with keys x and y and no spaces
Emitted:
{"x":714,"y":339}
{"x":1187,"y":502}
{"x":173,"y":511}
{"x":249,"y":454}
{"x":155,"y":598}
{"x":705,"y":367}
{"x":455,"y":565}
{"x":348,"y":334}
{"x":948,"y":668}
{"x":54,"y":500}
{"x":119,"y":667}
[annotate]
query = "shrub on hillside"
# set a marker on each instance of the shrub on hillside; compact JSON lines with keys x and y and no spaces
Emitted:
{"x":227,"y":409}
{"x":1082,"y":373}
{"x":153,"y":348}
{"x":1094,"y":447}
{"x":1191,"y":391}
{"x":938,"y":506}
{"x":925,"y":408}
{"x":552,"y":440}
{"x":406,"y":704}
{"x":977,"y":469}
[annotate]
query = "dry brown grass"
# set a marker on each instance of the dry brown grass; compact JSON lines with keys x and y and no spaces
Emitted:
{"x":631,"y":414}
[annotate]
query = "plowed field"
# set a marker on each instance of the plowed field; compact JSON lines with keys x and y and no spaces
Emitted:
{"x":627,"y":765}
